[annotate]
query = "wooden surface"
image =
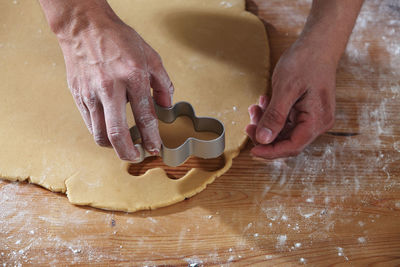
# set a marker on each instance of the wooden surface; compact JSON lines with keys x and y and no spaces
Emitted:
{"x":338,"y":203}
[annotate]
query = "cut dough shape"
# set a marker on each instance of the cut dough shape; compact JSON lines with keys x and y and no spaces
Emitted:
{"x":215,"y":52}
{"x":183,"y":125}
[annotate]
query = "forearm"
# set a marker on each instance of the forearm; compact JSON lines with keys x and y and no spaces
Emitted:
{"x":329,"y":26}
{"x":72,"y":16}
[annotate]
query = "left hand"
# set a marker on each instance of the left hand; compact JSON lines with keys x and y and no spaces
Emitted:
{"x":302,"y":105}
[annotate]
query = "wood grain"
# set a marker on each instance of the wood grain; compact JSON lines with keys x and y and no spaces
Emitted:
{"x":338,"y":203}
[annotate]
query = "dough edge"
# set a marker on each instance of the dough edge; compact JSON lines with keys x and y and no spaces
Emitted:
{"x":229,"y":156}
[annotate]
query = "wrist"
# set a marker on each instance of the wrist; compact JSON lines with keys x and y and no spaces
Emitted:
{"x":325,"y":34}
{"x":326,"y":48}
{"x":69,"y":18}
{"x":329,"y":26}
{"x":314,"y":51}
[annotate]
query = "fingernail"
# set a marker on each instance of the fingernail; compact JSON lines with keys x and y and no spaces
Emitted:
{"x":154,"y":151}
{"x":264,"y":136}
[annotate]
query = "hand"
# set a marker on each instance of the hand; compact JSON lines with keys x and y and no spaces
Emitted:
{"x":108,"y":64}
{"x":302,"y":105}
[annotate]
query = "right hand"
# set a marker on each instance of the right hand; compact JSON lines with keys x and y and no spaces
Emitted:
{"x":108,"y":64}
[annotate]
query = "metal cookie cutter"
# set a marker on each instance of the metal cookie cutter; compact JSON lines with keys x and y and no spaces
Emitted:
{"x":192,"y":146}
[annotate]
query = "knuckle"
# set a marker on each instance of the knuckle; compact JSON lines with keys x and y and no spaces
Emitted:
{"x":137,"y":76}
{"x":116,"y":133}
{"x":89,"y":98}
{"x":75,"y":92}
{"x":147,"y":121}
{"x":133,"y":65}
{"x":81,"y":107}
{"x":155,"y":59}
{"x":107,"y":83}
{"x":275,"y":116}
{"x":106,"y":87}
{"x":156,"y":64}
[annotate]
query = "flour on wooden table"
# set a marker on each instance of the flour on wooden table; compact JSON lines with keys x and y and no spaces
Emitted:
{"x":320,"y":209}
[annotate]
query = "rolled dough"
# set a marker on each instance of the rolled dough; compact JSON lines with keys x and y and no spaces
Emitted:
{"x":215,"y":52}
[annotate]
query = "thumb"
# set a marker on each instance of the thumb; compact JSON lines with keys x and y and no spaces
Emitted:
{"x":273,"y":120}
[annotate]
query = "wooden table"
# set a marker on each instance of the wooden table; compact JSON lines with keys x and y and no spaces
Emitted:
{"x":338,"y":203}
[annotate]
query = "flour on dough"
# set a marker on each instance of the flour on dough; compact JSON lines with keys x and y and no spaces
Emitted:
{"x":217,"y":57}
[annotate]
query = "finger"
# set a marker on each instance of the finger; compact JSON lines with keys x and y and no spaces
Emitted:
{"x":251,"y":132}
{"x":143,"y":110}
{"x":82,"y":108}
{"x":99,"y":125}
{"x":293,"y":118}
{"x":163,"y":89}
{"x":274,"y":117}
{"x":113,"y":98}
{"x":301,"y":136}
{"x":99,"y":130}
{"x":255,"y":113}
